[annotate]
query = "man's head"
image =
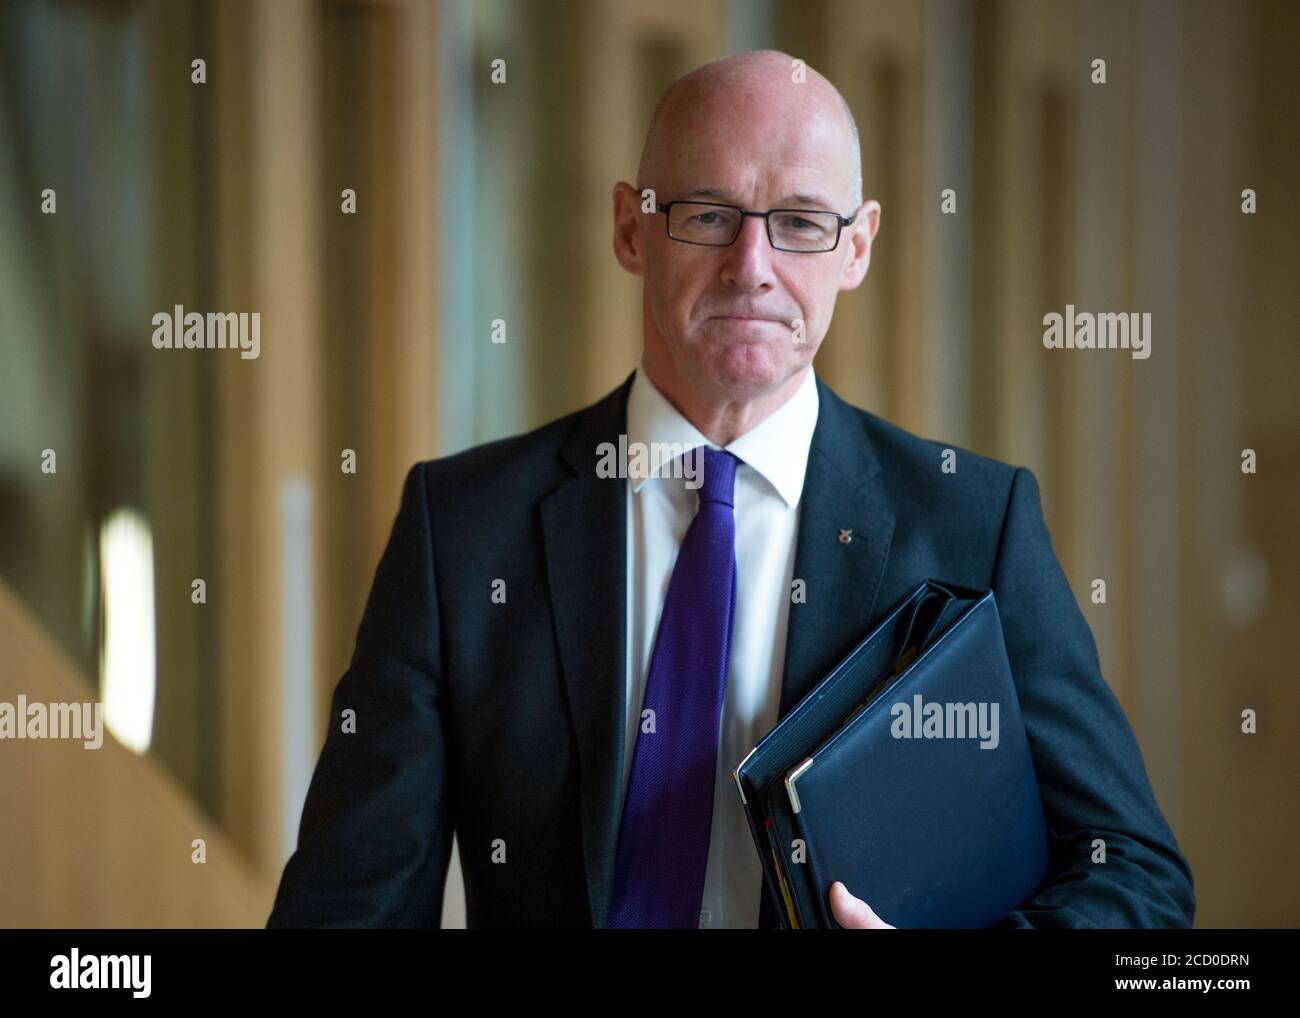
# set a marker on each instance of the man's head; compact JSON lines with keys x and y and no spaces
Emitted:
{"x":748,"y":130}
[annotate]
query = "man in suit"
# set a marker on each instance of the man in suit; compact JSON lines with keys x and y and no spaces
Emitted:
{"x":564,"y":666}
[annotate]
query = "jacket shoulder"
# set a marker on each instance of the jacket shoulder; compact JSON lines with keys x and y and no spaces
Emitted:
{"x":509,"y":454}
{"x":523,"y":464}
{"x":930,"y":475}
{"x":898,"y":445}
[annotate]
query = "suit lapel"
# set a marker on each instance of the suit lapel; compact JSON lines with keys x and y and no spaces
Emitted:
{"x":842,"y":578}
{"x":584,"y":526}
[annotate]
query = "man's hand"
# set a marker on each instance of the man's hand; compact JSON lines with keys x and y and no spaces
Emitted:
{"x":854,"y":913}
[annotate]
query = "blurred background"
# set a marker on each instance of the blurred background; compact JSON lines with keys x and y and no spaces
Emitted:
{"x":479,"y":201}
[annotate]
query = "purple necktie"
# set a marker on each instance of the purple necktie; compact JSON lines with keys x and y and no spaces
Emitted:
{"x":663,"y":844}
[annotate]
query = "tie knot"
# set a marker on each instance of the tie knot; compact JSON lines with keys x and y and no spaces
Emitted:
{"x":719,"y":480}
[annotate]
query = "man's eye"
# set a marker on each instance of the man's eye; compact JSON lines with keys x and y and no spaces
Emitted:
{"x":799,"y":223}
{"x":701,"y":217}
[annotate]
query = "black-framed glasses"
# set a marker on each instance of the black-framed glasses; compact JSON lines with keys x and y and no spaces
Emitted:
{"x":807,"y":231}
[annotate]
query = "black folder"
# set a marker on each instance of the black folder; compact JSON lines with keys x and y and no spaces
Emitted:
{"x":906,"y":774}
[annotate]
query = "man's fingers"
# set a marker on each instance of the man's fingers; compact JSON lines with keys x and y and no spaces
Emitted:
{"x":854,"y":913}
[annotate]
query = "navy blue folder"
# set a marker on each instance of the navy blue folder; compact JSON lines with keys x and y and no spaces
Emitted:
{"x":906,"y":774}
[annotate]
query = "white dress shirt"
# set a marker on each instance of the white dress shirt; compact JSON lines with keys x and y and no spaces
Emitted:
{"x":769,"y":482}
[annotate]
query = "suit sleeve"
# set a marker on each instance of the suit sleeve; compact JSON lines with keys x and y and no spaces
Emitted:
{"x":375,"y":836}
{"x":1090,"y":770}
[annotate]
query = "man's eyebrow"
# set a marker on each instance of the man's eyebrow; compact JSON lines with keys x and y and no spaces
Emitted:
{"x":722,"y":194}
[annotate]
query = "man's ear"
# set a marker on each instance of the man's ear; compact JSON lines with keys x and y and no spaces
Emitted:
{"x":860,"y":236}
{"x":629,"y":237}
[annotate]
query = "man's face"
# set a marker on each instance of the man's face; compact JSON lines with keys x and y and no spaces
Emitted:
{"x":741,"y":320}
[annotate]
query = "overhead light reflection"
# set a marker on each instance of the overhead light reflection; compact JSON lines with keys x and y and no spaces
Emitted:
{"x":127,"y":678}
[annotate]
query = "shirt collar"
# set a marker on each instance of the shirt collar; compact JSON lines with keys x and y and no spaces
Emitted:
{"x":776,"y":448}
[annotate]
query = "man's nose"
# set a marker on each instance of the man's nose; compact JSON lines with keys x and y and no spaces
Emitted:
{"x":749,"y":257}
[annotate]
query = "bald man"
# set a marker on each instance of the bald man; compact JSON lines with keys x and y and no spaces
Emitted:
{"x":576,"y":634}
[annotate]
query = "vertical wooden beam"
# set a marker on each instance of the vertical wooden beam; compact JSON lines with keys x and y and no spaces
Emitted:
{"x":413,"y":428}
{"x":1230,"y":816}
{"x":608,"y":146}
{"x":945,"y":363}
{"x":1103,"y":159}
{"x":873,"y":352}
{"x":177,"y":485}
{"x":270,"y":413}
{"x":1153,"y":572}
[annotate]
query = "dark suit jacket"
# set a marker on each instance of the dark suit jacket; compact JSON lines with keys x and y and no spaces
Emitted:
{"x":505,"y":722}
